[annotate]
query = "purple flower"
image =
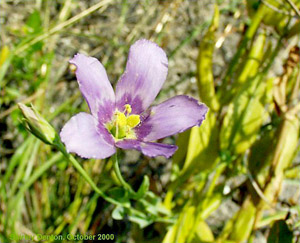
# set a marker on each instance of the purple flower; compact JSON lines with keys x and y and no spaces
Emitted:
{"x":123,"y":118}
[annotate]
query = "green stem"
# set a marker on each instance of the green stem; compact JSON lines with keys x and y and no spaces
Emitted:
{"x":75,"y":163}
{"x":11,"y":217}
{"x":119,"y":175}
{"x":219,"y":170}
{"x":83,"y":173}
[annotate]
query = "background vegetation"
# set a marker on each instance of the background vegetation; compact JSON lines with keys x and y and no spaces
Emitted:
{"x":234,"y":179}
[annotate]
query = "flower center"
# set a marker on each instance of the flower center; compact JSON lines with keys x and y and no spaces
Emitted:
{"x":122,"y":124}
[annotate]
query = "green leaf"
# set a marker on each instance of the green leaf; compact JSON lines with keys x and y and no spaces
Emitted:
{"x":203,"y":147}
{"x":34,"y":22}
{"x":118,"y":213}
{"x":142,"y":222}
{"x":294,"y":30}
{"x":6,"y":59}
{"x":280,"y":233}
{"x":143,"y":188}
{"x":153,"y":204}
{"x":139,"y":218}
{"x":270,"y":218}
{"x":4,"y":54}
{"x":202,"y":153}
{"x":209,"y":205}
{"x":253,"y":62}
{"x":261,"y":154}
{"x":223,"y":91}
{"x":288,"y":142}
{"x":181,"y":142}
{"x":205,"y":65}
{"x":244,"y":221}
{"x":180,"y":231}
{"x":119,"y":194}
{"x":12,"y":93}
{"x":202,"y":233}
{"x":244,"y":118}
{"x":274,"y":18}
{"x":152,"y":198}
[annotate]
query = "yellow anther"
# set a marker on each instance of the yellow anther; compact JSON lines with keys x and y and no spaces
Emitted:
{"x":121,"y":119}
{"x":128,"y":108}
{"x":133,"y":120}
{"x":121,"y":127}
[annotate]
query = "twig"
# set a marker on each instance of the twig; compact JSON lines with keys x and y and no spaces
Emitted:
{"x":262,"y":196}
{"x":277,"y":9}
{"x":294,"y":7}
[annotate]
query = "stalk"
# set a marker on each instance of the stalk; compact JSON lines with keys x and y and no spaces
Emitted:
{"x":118,"y":173}
{"x":83,"y":173}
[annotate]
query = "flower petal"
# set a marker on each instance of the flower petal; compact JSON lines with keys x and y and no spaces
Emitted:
{"x":146,"y":71}
{"x":170,"y":117}
{"x":95,"y":86}
{"x":81,"y":136}
{"x":148,"y":149}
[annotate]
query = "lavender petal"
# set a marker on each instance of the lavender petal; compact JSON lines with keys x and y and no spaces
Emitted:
{"x":95,"y":86}
{"x":146,"y":71}
{"x":148,"y":149}
{"x":170,"y":117}
{"x":80,"y":135}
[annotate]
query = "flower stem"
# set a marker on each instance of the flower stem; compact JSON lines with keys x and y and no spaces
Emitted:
{"x":88,"y":179}
{"x":119,"y":175}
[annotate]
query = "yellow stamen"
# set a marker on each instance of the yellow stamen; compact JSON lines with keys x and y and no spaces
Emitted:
{"x":121,"y":119}
{"x":133,"y":120}
{"x":121,"y":127}
{"x":128,"y":108}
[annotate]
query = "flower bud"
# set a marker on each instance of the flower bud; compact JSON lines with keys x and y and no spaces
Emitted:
{"x":37,"y":125}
